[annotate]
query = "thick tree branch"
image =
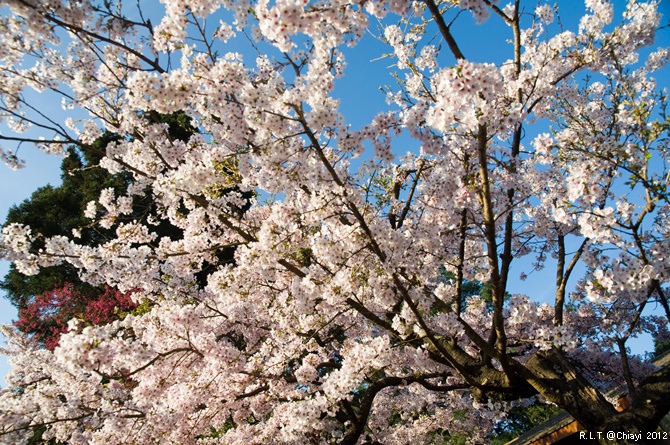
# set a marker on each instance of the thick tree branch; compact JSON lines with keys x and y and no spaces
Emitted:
{"x":490,"y":232}
{"x":444,"y":29}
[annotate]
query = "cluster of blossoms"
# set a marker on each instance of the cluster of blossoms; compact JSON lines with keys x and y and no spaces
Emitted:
{"x":301,"y":283}
{"x":468,"y":96}
{"x":479,"y":8}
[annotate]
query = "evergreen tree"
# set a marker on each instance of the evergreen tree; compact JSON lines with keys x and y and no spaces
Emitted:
{"x":47,"y":300}
{"x":52,"y":211}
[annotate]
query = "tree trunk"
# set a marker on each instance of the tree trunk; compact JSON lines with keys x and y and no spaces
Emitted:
{"x":557,"y":380}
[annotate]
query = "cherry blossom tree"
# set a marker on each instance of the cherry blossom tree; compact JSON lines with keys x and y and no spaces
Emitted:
{"x":342,"y":317}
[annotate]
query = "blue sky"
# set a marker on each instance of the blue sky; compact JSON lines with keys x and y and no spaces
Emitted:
{"x":365,"y":73}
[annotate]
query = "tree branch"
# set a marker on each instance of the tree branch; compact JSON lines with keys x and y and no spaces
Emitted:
{"x":444,"y":29}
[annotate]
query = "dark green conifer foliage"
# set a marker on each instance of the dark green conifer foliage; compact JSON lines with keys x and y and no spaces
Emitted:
{"x":52,"y":211}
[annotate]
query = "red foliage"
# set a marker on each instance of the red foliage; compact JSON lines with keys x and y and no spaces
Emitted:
{"x":46,"y":316}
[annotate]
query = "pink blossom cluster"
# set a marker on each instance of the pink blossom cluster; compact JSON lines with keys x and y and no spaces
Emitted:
{"x":318,"y":284}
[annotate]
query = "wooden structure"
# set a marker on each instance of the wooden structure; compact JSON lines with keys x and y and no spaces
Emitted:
{"x":563,"y":429}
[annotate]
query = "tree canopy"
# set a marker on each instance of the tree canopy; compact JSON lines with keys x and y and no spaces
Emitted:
{"x":302,"y":279}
